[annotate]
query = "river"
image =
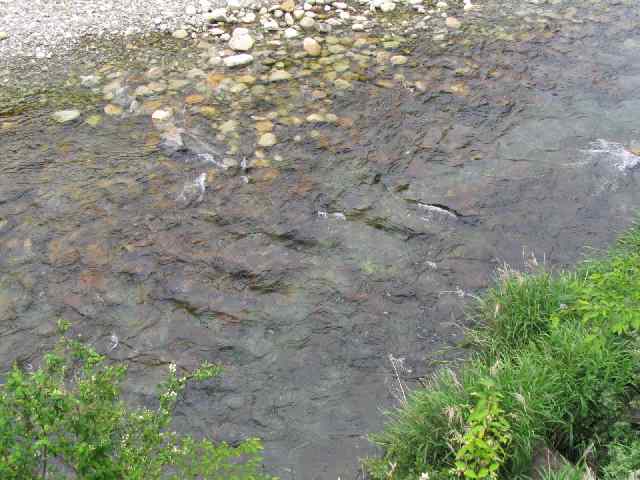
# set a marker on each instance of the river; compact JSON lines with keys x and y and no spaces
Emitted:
{"x":340,"y":254}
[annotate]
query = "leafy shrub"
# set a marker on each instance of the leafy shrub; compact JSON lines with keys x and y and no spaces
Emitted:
{"x":624,"y":461}
{"x":66,"y":420}
{"x":481,"y":452}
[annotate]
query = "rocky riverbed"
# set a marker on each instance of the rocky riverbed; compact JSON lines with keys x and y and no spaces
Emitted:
{"x":309,"y":193}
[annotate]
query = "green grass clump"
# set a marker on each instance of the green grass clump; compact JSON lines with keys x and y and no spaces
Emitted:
{"x":558,"y":353}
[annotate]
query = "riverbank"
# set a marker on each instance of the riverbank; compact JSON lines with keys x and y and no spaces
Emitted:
{"x":555,"y":374}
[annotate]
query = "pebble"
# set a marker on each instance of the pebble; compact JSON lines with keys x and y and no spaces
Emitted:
{"x":161,"y":115}
{"x":387,"y":6}
{"x":357,"y":27}
{"x":291,"y":33}
{"x":194,"y":99}
{"x":112,"y":109}
{"x":238,"y":60}
{"x":279,"y":76}
{"x":453,"y":22}
{"x":217,"y":15}
{"x":288,"y":6}
{"x":312,"y":47}
{"x":307,"y":23}
{"x":241,"y":40}
{"x":249,"y":18}
{"x":94,"y":120}
{"x":398,"y":60}
{"x":89,"y":80}
{"x":180,"y":34}
{"x":228,"y":126}
{"x":267,"y":140}
{"x":3,"y":36}
{"x":264,"y":126}
{"x":64,"y":116}
{"x":270,"y":24}
{"x":298,"y":14}
{"x":315,"y":118}
{"x":154,"y":73}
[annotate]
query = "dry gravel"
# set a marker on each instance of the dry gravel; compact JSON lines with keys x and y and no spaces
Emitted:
{"x":39,"y":29}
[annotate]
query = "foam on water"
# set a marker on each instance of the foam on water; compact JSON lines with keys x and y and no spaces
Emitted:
{"x":194,"y":191}
{"x":616,"y":153}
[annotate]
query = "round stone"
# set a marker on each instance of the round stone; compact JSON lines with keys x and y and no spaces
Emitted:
{"x":453,"y":23}
{"x":311,"y":47}
{"x":64,"y":116}
{"x":279,"y":76}
{"x":267,"y":140}
{"x":241,"y":40}
{"x":238,"y":60}
{"x":387,"y":7}
{"x":112,"y":109}
{"x":161,"y":115}
{"x":398,"y":60}
{"x":288,"y":6}
{"x":307,"y":23}
{"x":180,"y":34}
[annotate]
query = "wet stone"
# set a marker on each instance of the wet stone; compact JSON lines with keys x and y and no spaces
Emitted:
{"x":279,"y":76}
{"x":267,"y":140}
{"x":453,"y":23}
{"x":311,"y":47}
{"x":239,"y":60}
{"x":65,"y":116}
{"x":180,"y":34}
{"x":161,"y":115}
{"x":112,"y":109}
{"x":228,"y":126}
{"x":288,"y":6}
{"x":264,"y":126}
{"x":307,"y":23}
{"x":194,"y":99}
{"x":241,"y":40}
{"x":94,"y":120}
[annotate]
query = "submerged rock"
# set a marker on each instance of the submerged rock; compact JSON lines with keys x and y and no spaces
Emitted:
{"x":241,"y":40}
{"x":180,"y":34}
{"x":311,"y":47}
{"x":279,"y":76}
{"x":238,"y":60}
{"x":267,"y":140}
{"x":64,"y":116}
{"x":398,"y":60}
{"x":453,"y":23}
{"x":161,"y":115}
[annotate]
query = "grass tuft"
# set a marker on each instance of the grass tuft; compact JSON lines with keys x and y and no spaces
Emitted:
{"x":560,"y":354}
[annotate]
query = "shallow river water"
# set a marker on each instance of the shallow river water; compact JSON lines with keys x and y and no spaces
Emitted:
{"x":306,"y":266}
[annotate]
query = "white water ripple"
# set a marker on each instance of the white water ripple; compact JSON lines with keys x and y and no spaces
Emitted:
{"x":616,"y":153}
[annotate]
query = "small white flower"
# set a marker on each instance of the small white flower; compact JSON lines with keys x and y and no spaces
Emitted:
{"x":172,"y":367}
{"x":424,"y":476}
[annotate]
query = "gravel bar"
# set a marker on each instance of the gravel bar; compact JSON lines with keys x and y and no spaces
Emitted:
{"x":39,"y":29}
